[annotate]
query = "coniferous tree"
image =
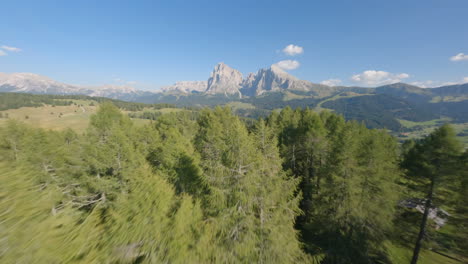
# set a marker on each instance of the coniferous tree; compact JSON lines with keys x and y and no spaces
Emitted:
{"x":252,"y":203}
{"x":434,"y":159}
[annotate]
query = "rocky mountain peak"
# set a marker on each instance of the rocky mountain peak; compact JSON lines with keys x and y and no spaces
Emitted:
{"x":224,"y":80}
{"x":186,"y":87}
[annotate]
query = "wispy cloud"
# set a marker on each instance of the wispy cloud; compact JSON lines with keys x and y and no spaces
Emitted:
{"x":11,"y":49}
{"x":459,"y":57}
{"x":465,"y":80}
{"x":2,"y":53}
{"x":293,"y":50}
{"x":288,"y":64}
{"x":331,"y":82}
{"x":373,"y":77}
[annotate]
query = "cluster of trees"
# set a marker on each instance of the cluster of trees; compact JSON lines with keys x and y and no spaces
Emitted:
{"x":15,"y":100}
{"x":298,"y":187}
{"x":348,"y":177}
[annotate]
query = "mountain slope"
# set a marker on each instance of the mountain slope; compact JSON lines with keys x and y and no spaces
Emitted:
{"x":186,"y":87}
{"x":38,"y":84}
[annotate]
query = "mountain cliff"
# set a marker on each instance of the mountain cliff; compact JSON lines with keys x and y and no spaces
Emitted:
{"x":275,"y":79}
{"x":225,"y":80}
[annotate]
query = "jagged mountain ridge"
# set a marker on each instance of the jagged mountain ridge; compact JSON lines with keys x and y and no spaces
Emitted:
{"x":228,"y":81}
{"x":38,"y":84}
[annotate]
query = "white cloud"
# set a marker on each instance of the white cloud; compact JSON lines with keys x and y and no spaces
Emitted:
{"x":424,"y":84}
{"x":293,"y":50}
{"x":288,"y":64}
{"x":12,"y":49}
{"x":373,"y":78}
{"x":2,"y":53}
{"x":331,"y":82}
{"x":465,"y":80}
{"x":459,"y":57}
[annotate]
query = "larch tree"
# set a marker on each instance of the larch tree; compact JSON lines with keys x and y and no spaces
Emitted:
{"x":435,"y":160}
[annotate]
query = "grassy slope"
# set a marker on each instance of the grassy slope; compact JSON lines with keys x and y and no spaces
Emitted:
{"x":55,"y":118}
{"x":399,"y":254}
{"x":239,"y":105}
{"x":422,"y":129}
{"x":336,"y":97}
{"x":75,"y":117}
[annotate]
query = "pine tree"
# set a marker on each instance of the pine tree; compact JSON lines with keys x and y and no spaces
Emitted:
{"x":31,"y":230}
{"x":252,"y":203}
{"x":275,"y":201}
{"x":434,"y":159}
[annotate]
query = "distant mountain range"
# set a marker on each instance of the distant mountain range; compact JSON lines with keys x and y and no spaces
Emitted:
{"x":38,"y":84}
{"x":273,"y":88}
{"x":226,"y":81}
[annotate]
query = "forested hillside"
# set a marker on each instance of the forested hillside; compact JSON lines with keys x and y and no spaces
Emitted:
{"x":295,"y":187}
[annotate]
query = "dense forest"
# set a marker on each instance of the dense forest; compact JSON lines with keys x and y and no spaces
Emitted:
{"x":296,"y":187}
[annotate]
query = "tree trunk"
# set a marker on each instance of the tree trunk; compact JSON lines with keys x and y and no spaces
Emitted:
{"x":422,"y":229}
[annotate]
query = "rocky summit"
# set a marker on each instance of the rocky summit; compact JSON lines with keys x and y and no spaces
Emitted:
{"x":228,"y":81}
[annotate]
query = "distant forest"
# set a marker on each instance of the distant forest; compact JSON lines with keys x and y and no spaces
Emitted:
{"x":295,"y":187}
{"x":17,"y":100}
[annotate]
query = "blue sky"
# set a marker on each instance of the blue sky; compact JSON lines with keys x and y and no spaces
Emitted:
{"x":155,"y":43}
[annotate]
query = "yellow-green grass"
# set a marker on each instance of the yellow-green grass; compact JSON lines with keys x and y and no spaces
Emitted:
{"x":54,"y":118}
{"x":291,"y":96}
{"x":434,"y":122}
{"x":429,"y":126}
{"x":58,"y":117}
{"x":399,"y":254}
{"x":336,"y":97}
{"x":80,"y":102}
{"x":438,"y":99}
{"x":239,"y":105}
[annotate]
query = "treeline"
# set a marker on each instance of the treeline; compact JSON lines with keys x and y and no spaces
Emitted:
{"x":18,"y":100}
{"x":15,"y":101}
{"x":298,"y":187}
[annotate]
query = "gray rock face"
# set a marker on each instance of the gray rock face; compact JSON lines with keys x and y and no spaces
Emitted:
{"x":187,"y":87}
{"x":274,"y":79}
{"x":224,"y":80}
{"x":228,"y":81}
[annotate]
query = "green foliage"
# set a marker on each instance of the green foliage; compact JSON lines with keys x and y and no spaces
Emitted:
{"x":206,"y":187}
{"x":347,"y":177}
{"x":434,"y":165}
